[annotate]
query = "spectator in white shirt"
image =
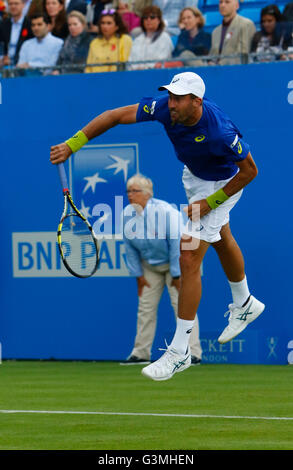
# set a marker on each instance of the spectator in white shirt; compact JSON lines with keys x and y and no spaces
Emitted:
{"x":153,"y":43}
{"x":43,"y":50}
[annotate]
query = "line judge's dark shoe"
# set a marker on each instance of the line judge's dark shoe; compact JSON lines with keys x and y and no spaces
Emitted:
{"x":132,"y":360}
{"x":195,"y":361}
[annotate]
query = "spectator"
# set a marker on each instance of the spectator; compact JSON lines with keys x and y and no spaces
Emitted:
{"x":43,"y":49}
{"x":273,"y":39}
{"x":171,"y":10}
{"x":131,"y":20}
{"x":288,"y":18}
{"x":233,"y":36}
{"x":94,"y":9}
{"x":153,"y":43}
{"x":76,"y":5}
{"x":76,"y":45}
{"x":137,"y":6}
{"x":3,"y":7}
{"x":192,"y":41}
{"x":113,"y":44}
{"x":35,"y":6}
{"x":55,"y":9}
{"x":288,"y":12}
{"x":14,"y":30}
{"x":153,"y":258}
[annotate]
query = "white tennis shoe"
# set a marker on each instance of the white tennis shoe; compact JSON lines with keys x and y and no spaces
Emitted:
{"x":240,"y":317}
{"x":168,"y":364}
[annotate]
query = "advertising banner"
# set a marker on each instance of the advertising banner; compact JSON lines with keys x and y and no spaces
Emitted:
{"x":45,"y":312}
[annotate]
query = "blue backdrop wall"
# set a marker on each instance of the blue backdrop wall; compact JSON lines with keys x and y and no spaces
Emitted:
{"x":46,"y":314}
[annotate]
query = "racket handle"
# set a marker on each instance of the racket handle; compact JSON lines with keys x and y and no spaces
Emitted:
{"x":62,"y":175}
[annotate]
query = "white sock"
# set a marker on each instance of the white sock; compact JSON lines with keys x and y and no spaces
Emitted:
{"x":182,"y":335}
{"x":240,"y":292}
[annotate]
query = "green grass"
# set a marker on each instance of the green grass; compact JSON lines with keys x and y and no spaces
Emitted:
{"x":222,"y":390}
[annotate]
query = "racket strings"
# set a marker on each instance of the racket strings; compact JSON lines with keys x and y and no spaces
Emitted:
{"x":78,"y":246}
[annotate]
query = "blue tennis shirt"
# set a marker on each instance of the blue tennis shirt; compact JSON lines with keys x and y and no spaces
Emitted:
{"x":210,"y":149}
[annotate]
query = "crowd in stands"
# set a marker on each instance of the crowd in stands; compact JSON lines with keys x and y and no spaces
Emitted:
{"x":74,"y":36}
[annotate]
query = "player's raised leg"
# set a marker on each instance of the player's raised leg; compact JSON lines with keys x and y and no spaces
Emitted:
{"x":245,"y":307}
{"x":177,"y":356}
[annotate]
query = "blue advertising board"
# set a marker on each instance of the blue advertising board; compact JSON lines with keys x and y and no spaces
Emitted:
{"x":45,"y":312}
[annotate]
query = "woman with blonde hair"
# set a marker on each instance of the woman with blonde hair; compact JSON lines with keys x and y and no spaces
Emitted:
{"x":192,"y":37}
{"x":75,"y":48}
{"x":113,"y":44}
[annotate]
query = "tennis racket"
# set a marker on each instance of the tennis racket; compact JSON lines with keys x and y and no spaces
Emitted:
{"x":76,"y":240}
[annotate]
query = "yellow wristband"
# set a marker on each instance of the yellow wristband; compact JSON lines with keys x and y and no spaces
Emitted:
{"x":216,"y":199}
{"x":77,"y":141}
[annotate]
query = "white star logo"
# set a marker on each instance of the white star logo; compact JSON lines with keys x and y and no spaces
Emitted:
{"x":120,"y":165}
{"x":92,"y":181}
{"x":85,"y":210}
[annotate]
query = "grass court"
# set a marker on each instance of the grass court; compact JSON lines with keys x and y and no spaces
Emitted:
{"x":106,"y":406}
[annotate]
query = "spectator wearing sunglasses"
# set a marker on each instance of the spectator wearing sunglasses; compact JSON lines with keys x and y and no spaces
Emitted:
{"x":153,"y":43}
{"x":113,"y":44}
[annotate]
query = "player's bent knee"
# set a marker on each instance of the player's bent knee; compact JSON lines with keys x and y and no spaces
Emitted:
{"x":189,"y":262}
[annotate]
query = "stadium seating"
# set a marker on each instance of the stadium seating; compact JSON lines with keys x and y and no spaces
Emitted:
{"x":212,"y":4}
{"x":252,"y":13}
{"x":213,"y":19}
{"x":174,"y":40}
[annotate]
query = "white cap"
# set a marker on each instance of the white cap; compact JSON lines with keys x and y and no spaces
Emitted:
{"x":186,"y":83}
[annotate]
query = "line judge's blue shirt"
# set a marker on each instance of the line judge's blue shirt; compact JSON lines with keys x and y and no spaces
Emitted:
{"x":156,"y":238}
{"x":210,"y":149}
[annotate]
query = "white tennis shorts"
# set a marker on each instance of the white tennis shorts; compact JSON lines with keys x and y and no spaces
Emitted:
{"x":208,"y":227}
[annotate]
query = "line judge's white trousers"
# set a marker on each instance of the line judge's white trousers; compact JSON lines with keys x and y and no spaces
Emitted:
{"x":148,"y":302}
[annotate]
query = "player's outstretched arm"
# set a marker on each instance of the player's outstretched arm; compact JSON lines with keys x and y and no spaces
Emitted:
{"x":109,"y":119}
{"x":105,"y":121}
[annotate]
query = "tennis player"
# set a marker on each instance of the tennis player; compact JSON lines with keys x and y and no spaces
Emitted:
{"x":218,"y":165}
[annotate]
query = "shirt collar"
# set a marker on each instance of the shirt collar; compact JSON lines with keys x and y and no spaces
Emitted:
{"x":227,"y":23}
{"x":18,"y":22}
{"x":44,"y":38}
